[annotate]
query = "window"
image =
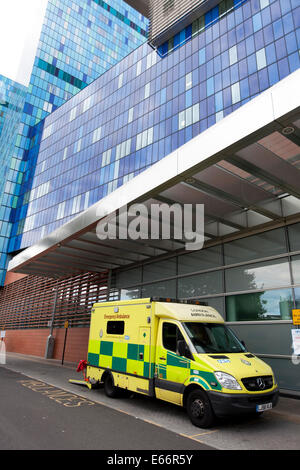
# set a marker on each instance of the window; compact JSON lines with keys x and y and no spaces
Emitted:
{"x":261,"y":59}
{"x":130,"y":115}
{"x":188,"y":81}
{"x":265,"y":244}
{"x":97,"y":134}
{"x":200,"y":260}
{"x":115,"y":327}
{"x":201,"y":284}
{"x":61,"y":210}
{"x":235,"y":92}
{"x":120,"y":80}
{"x":144,"y":138}
{"x":258,"y":276}
{"x":171,"y":334}
{"x":76,"y":204}
{"x":87,"y":104}
{"x":212,"y":338}
{"x":267,"y":305}
{"x":138,"y":67}
{"x":233,"y":55}
{"x":147,"y":90}
{"x":72,"y":114}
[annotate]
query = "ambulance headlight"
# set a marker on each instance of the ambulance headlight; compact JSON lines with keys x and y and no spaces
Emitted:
{"x":227,"y":381}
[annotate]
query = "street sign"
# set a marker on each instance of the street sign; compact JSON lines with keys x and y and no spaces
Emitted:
{"x":66,"y":324}
{"x":296,"y":316}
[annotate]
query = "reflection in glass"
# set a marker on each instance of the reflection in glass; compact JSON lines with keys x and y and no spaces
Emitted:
{"x":258,"y":276}
{"x":266,"y":305}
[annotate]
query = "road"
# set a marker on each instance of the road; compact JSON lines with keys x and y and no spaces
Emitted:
{"x":276,"y":429}
{"x":35,"y":415}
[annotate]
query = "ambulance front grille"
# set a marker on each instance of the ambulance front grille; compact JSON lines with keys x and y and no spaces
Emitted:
{"x":258,"y":384}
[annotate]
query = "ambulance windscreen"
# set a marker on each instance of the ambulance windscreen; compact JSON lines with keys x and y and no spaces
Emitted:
{"x":213,"y":338}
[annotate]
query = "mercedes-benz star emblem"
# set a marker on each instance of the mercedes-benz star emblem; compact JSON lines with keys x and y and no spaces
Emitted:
{"x":260,"y":383}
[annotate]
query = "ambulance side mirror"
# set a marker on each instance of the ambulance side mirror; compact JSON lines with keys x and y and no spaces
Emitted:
{"x":183,"y":349}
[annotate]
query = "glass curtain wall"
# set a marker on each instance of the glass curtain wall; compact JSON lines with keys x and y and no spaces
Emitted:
{"x":255,"y":278}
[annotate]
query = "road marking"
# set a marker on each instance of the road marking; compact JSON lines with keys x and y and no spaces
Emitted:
{"x":68,"y":399}
{"x":201,"y":434}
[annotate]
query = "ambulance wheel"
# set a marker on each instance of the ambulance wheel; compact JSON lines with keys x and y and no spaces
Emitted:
{"x":109,"y":388}
{"x":199,"y":409}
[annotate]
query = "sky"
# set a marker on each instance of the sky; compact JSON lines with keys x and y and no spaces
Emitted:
{"x":21,"y":23}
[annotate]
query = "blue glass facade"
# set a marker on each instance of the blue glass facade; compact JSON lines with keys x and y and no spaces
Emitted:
{"x":79,"y":41}
{"x":146,"y":106}
{"x":12,"y":96}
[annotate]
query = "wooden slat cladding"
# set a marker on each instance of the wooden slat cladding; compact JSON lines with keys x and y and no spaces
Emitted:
{"x":29,"y":302}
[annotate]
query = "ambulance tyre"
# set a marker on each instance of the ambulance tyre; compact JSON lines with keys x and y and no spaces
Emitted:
{"x":110,"y":389}
{"x":199,"y":409}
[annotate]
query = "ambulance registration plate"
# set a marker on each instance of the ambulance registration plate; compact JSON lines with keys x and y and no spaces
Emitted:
{"x":264,"y":407}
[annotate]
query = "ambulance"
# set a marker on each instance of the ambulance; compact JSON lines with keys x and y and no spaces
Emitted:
{"x":179,"y":352}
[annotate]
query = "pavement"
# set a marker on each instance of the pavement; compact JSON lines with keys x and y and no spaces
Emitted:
{"x":277,"y":429}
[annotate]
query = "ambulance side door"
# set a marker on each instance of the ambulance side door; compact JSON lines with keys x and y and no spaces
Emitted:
{"x":172,"y":370}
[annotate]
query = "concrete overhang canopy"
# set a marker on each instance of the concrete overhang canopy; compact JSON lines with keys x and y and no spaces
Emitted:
{"x":244,"y":169}
{"x":142,"y":6}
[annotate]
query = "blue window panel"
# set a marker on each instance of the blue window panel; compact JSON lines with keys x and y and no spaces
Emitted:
{"x":250,"y":47}
{"x":280,"y":48}
{"x":188,"y":99}
{"x":176,"y":40}
{"x":253,"y":84}
{"x":270,"y":54}
{"x":202,"y":56}
{"x":263,"y":79}
{"x":268,"y":34}
{"x":227,"y":101}
{"x":241,"y":50}
{"x":234,"y":73}
{"x":294,"y":61}
{"x":219,"y":101}
{"x":217,"y":64}
{"x":278,"y":29}
{"x":255,"y":6}
{"x":243,"y":69}
{"x":248,"y":27}
{"x":225,"y":60}
{"x":230,"y":21}
{"x":210,"y":86}
{"x":259,"y":40}
{"x":28,"y":108}
{"x":266,"y":16}
{"x":283,"y":67}
{"x":252,"y":64}
{"x":257,"y":22}
{"x":188,"y":32}
{"x":232,"y":38}
{"x":288,"y":24}
{"x":210,"y":68}
{"x":291,"y":43}
{"x":218,"y":82}
{"x":244,"y":88}
{"x":275,"y":10}
{"x":285,"y":6}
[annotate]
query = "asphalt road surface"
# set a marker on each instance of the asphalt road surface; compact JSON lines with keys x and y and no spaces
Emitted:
{"x":35,"y":415}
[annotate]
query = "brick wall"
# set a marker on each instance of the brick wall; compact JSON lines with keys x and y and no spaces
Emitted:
{"x":33,"y":342}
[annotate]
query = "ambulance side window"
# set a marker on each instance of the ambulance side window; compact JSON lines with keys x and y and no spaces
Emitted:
{"x":170,"y":335}
{"x":115,"y":327}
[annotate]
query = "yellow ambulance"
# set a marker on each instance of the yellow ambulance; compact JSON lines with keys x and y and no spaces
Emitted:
{"x":180,"y":352}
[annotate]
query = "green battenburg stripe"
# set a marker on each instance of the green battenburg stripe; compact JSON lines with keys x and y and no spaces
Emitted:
{"x":106,"y":348}
{"x":93,"y":359}
{"x":173,"y":360}
{"x":67,"y":77}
